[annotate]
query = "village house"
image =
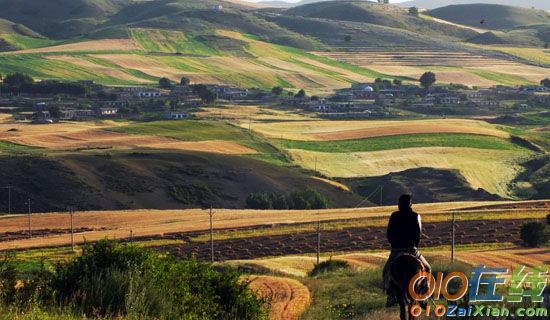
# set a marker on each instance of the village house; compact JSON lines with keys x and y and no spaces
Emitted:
{"x":107,"y":112}
{"x":76,"y":114}
{"x":229,"y":93}
{"x":175,"y":115}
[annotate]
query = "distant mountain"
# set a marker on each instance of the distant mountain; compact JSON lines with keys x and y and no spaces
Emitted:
{"x":432,"y":4}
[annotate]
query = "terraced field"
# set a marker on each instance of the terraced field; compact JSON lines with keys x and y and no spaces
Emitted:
{"x":346,"y":130}
{"x":450,"y":66}
{"x":149,"y":54}
{"x":479,"y":151}
{"x":491,"y":170}
{"x":52,"y":229}
{"x":93,"y":135}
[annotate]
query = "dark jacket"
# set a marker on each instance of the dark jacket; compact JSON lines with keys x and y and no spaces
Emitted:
{"x":404,"y":229}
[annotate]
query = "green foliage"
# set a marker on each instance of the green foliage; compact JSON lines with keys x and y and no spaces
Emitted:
{"x":535,"y":234}
{"x":404,"y":141}
{"x":413,"y":11}
{"x":301,"y":94}
{"x":545,"y":82}
{"x":18,"y":79}
{"x":307,"y":198}
{"x":277,"y":90}
{"x":204,"y":93}
{"x":113,"y":280}
{"x":165,"y":83}
{"x":427,"y":79}
{"x":185,"y":81}
{"x":329,"y":266}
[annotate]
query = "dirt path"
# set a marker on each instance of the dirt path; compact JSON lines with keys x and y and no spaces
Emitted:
{"x":289,"y":298}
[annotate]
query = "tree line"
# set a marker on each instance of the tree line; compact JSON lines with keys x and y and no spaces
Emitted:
{"x":17,"y":83}
{"x":307,"y":198}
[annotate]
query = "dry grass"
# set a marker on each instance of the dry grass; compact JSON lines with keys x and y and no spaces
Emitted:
{"x":244,"y":113}
{"x":144,"y":64}
{"x":87,"y":46}
{"x":289,"y":298}
{"x":344,"y":130}
{"x":90,"y":135}
{"x":509,"y":257}
{"x":450,"y":66}
{"x":491,"y":170}
{"x":117,"y":224}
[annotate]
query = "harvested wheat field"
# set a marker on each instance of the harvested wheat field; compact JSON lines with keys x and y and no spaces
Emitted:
{"x":86,"y":46}
{"x":509,"y":257}
{"x":289,"y":298}
{"x":90,"y":135}
{"x":296,"y":266}
{"x":346,"y":130}
{"x":97,"y":68}
{"x":152,"y":223}
{"x":491,"y":170}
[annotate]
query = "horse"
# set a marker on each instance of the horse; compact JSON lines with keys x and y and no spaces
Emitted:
{"x":402,"y":270}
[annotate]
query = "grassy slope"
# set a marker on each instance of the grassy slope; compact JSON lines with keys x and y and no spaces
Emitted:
{"x":495,"y":16}
{"x":382,"y":15}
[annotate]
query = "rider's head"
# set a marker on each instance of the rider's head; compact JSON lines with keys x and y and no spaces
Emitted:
{"x":405,"y":202}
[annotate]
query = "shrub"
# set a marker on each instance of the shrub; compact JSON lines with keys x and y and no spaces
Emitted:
{"x":259,"y":200}
{"x":534,"y":234}
{"x":307,"y":198}
{"x":112,"y":280}
{"x":329,"y":266}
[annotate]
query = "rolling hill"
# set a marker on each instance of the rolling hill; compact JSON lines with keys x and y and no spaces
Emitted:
{"x":432,"y":4}
{"x":495,"y":17}
{"x":14,"y":36}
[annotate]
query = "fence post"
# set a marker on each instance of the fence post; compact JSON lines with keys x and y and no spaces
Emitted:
{"x":318,"y":241}
{"x":453,"y":237}
{"x":211,"y":235}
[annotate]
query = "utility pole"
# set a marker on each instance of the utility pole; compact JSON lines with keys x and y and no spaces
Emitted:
{"x":71,"y":213}
{"x":453,"y":237}
{"x":9,"y":197}
{"x":315,"y":164}
{"x":29,"y":214}
{"x":211,"y":213}
{"x":131,"y":235}
{"x":318,"y":241}
{"x":381,"y":188}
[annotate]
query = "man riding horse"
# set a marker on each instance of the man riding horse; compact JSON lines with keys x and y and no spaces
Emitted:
{"x":404,"y":231}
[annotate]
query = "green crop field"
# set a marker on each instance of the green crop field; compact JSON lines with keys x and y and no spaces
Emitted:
{"x":456,"y":140}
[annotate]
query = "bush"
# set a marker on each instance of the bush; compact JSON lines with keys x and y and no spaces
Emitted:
{"x":112,"y":280}
{"x":534,"y":234}
{"x":307,"y":198}
{"x":329,"y":266}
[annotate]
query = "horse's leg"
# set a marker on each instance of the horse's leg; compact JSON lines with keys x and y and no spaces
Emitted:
{"x":402,"y":309}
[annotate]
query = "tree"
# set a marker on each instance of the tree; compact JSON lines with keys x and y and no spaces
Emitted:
{"x":347,"y":38}
{"x":259,"y":201}
{"x":204,"y":93}
{"x":165,"y":83}
{"x":185,"y":81}
{"x":277,"y":90}
{"x":301,"y":94}
{"x":55,"y":112}
{"x":397,"y":82}
{"x":427,"y":79}
{"x":545,"y":82}
{"x":18,"y":79}
{"x":534,"y":234}
{"x":413,"y":11}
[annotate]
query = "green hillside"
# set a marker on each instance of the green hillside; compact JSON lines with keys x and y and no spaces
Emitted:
{"x":60,"y":18}
{"x":14,"y":36}
{"x":381,"y":15}
{"x":494,"y":17}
